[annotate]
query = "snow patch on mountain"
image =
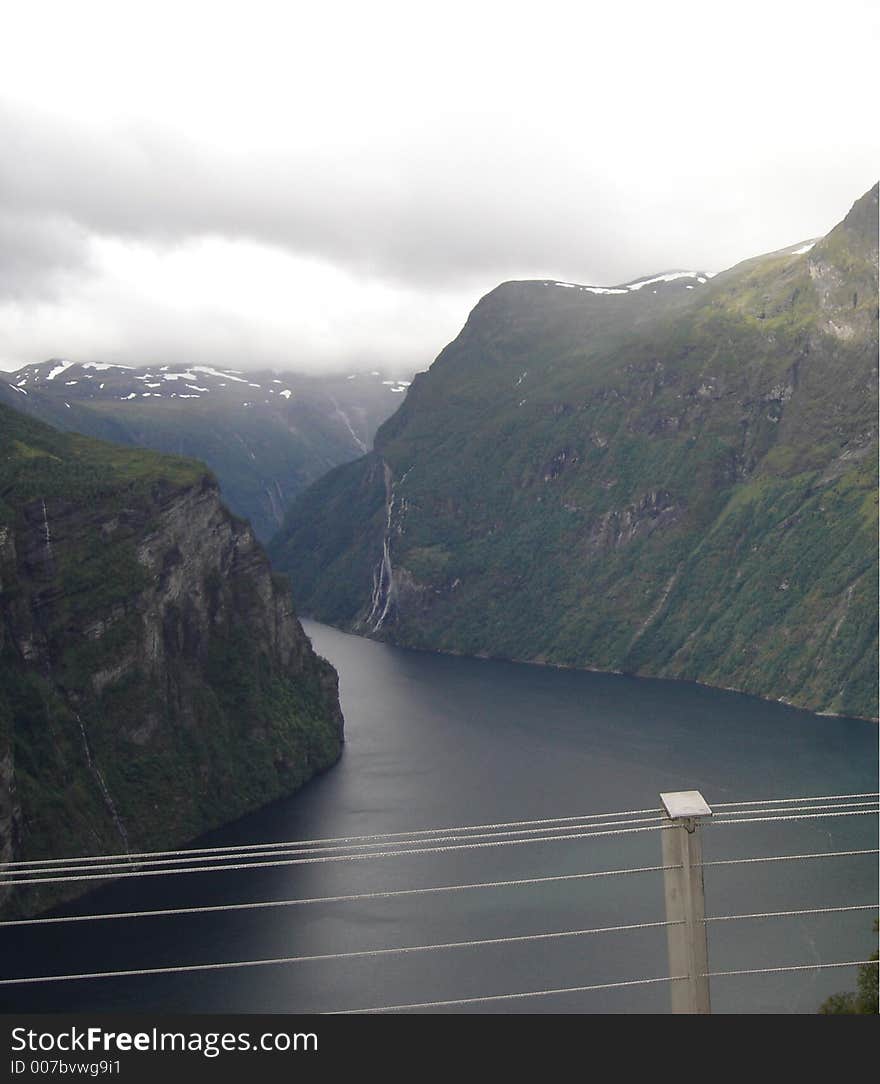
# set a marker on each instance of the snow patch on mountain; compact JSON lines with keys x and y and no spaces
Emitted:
{"x":670,"y":276}
{"x":631,"y":287}
{"x":59,"y":368}
{"x":587,"y":289}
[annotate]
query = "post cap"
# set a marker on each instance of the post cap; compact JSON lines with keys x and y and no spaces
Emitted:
{"x":685,"y":803}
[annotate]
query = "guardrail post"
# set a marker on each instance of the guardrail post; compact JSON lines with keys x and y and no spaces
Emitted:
{"x":685,"y":900}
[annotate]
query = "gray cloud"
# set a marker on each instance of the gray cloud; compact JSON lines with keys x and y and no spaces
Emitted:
{"x":390,"y":170}
{"x":36,"y":250}
{"x":434,"y":212}
{"x":431,"y":213}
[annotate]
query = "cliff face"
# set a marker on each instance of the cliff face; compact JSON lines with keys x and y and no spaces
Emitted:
{"x":675,"y":478}
{"x":154,"y":679}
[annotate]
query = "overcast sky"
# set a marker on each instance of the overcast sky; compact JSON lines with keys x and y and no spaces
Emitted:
{"x":322,"y":186}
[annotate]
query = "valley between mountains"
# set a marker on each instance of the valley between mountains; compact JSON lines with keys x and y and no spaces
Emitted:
{"x":675,"y":477}
{"x":266,"y":435}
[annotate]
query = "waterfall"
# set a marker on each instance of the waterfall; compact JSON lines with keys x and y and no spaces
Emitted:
{"x":383,"y":574}
{"x":96,"y":772}
{"x":46,"y":531}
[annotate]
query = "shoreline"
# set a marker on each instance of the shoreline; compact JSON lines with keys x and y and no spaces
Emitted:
{"x":597,"y":670}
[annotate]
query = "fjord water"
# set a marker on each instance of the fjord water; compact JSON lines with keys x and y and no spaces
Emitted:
{"x":438,"y":741}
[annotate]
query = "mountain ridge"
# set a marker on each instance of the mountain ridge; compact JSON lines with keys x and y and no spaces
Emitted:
{"x":676,"y":484}
{"x":265,"y":434}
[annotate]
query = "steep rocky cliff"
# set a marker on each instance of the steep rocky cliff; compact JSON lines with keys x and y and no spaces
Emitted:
{"x":154,"y":679}
{"x":674,"y":477}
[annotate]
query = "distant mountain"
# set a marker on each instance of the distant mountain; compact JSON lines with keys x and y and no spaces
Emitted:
{"x":265,"y":435}
{"x":154,"y":679}
{"x":674,"y":477}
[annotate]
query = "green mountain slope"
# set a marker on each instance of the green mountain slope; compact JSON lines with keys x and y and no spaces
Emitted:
{"x":154,"y":680}
{"x":675,"y":478}
{"x":265,"y":435}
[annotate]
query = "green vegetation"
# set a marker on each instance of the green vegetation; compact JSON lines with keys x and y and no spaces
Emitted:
{"x":37,"y":461}
{"x":140,"y":655}
{"x":681,"y":484}
{"x":865,"y":999}
{"x":339,"y":523}
{"x":262,"y":454}
{"x":260,"y":459}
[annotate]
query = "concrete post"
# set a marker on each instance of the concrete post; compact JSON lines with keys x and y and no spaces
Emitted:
{"x":685,"y":900}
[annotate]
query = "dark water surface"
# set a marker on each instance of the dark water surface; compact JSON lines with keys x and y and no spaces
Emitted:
{"x":440,"y":741}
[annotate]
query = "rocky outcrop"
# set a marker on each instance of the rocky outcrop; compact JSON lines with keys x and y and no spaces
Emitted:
{"x":656,"y":510}
{"x":155,"y":679}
